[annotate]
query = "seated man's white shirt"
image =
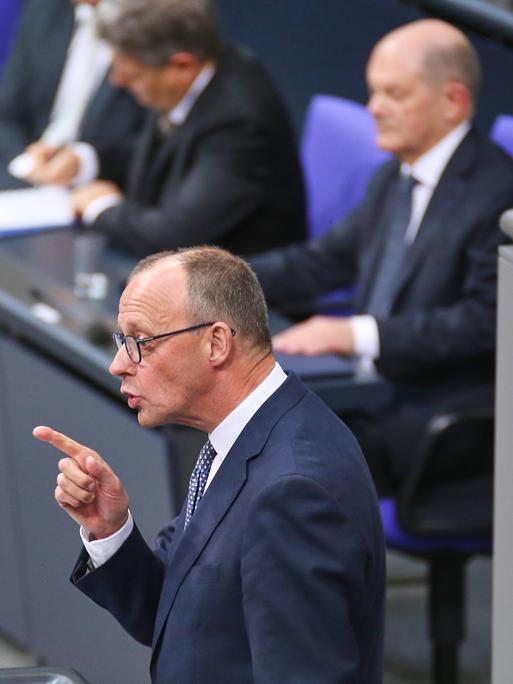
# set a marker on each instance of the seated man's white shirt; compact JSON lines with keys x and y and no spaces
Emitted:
{"x":427,"y":171}
{"x":87,"y":62}
{"x":222,"y":438}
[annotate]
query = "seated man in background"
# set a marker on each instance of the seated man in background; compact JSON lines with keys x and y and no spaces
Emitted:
{"x":421,"y":247}
{"x":217,"y":161}
{"x":274,"y":571}
{"x":55,"y":89}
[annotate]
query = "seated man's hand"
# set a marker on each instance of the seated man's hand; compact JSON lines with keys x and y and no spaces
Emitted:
{"x":85,"y":194}
{"x":317,"y":335}
{"x":52,"y":166}
{"x":87,"y":489}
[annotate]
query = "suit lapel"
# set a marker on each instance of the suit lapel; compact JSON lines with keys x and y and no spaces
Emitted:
{"x":216,"y":501}
{"x":375,"y":242}
{"x":222,"y":492}
{"x":441,"y":213}
{"x":156,"y":153}
{"x":99,"y":104}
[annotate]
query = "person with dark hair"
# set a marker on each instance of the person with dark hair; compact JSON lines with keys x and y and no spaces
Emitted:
{"x":421,"y":248}
{"x":55,"y":91}
{"x":274,"y":570}
{"x":217,"y":162}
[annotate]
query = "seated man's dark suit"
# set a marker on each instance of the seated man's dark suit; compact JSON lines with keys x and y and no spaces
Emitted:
{"x":229,"y":176}
{"x":31,"y":79}
{"x":279,"y":577}
{"x":438,"y":342}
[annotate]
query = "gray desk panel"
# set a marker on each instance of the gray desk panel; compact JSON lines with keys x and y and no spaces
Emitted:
{"x":60,"y":623}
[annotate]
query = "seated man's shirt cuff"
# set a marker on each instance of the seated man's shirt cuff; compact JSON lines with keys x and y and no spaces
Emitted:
{"x":98,"y":206}
{"x":366,"y":336}
{"x":89,"y":164}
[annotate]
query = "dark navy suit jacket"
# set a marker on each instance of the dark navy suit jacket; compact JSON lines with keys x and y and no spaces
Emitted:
{"x":30,"y":81}
{"x":280,"y":575}
{"x":230,"y":175}
{"x":438,"y":342}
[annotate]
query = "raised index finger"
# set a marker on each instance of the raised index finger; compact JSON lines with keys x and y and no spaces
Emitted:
{"x":61,"y":442}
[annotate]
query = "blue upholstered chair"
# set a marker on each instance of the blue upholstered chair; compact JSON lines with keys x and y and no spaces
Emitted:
{"x":9,"y":14}
{"x":443,"y":515}
{"x":501,"y":132}
{"x":339,"y":155}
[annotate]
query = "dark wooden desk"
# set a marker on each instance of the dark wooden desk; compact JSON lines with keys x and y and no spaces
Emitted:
{"x":39,"y":270}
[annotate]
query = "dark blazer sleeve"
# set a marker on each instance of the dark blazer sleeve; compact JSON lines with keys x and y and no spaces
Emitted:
{"x":301,"y":592}
{"x":129,"y":584}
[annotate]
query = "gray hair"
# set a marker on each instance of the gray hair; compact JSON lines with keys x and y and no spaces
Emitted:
{"x":153,"y":30}
{"x":457,"y":62}
{"x":220,"y":287}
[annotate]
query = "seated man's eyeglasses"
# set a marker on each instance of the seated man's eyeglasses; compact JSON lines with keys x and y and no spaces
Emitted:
{"x":133,"y":344}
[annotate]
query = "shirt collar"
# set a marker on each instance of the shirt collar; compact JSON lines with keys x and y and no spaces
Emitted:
{"x":180,"y":112}
{"x":84,"y":13}
{"x":428,"y":168}
{"x":224,"y":435}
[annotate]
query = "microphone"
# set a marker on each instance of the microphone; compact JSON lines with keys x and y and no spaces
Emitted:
{"x":506,"y":223}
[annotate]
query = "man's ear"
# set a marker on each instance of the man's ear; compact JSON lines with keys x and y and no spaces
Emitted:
{"x":221,"y":343}
{"x":458,"y":101}
{"x":184,"y":61}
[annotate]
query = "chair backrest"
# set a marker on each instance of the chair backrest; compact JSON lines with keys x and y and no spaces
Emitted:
{"x":501,"y":132}
{"x":339,"y":154}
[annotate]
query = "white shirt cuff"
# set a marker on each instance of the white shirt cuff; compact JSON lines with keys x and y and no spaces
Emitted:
{"x":98,"y":206}
{"x":100,"y":550}
{"x":366,"y":336}
{"x":89,"y":164}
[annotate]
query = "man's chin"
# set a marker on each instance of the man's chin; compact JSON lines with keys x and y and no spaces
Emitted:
{"x":147,"y":421}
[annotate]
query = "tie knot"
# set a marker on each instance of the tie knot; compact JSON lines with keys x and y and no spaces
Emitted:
{"x":165,"y":126}
{"x":206,"y":456}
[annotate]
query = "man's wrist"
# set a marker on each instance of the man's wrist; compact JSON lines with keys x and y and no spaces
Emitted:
{"x":100,"y":550}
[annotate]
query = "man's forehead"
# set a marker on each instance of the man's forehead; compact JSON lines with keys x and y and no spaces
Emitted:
{"x":156,"y":292}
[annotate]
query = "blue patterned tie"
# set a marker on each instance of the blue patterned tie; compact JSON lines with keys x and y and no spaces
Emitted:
{"x":199,"y":479}
{"x":383,"y":288}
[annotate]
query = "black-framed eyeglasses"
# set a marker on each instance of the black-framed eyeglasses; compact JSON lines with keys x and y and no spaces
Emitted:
{"x":133,"y":344}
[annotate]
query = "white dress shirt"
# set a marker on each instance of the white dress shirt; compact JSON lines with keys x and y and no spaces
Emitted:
{"x":222,"y":438}
{"x":427,"y":170}
{"x":87,"y":61}
{"x":89,"y":160}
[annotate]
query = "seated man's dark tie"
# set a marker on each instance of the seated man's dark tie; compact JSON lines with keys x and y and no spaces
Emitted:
{"x":395,"y":246}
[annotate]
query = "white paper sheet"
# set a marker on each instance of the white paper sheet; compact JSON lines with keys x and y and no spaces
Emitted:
{"x":34,"y":209}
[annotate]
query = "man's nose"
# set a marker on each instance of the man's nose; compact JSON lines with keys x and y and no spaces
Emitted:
{"x":121,"y":363}
{"x":376,"y":105}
